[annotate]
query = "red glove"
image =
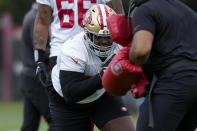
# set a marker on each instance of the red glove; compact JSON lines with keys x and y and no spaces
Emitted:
{"x":120,"y":74}
{"x":137,"y":89}
{"x":120,"y":30}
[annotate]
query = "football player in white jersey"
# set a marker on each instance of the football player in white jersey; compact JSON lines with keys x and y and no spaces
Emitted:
{"x":77,"y":96}
{"x":64,"y":19}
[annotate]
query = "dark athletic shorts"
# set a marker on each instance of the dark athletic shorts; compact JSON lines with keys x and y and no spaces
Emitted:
{"x":78,"y":117}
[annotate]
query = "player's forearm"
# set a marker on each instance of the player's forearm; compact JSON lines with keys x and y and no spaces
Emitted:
{"x":40,"y":37}
{"x":76,"y":88}
{"x":41,"y":27}
{"x":141,"y":47}
{"x":117,"y":6}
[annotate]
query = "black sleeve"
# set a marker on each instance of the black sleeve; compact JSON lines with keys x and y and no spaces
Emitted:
{"x":144,"y":19}
{"x":75,"y":86}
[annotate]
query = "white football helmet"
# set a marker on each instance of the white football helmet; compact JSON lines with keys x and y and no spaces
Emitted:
{"x":95,"y":25}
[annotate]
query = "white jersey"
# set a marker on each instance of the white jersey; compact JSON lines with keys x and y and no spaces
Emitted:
{"x":67,"y":19}
{"x":75,"y":55}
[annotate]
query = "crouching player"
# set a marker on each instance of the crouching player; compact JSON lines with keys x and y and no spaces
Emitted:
{"x":77,"y":98}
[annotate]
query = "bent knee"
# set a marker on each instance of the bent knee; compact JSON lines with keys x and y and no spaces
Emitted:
{"x":123,"y":123}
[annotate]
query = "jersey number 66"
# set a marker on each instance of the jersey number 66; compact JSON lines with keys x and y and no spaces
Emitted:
{"x":66,"y":14}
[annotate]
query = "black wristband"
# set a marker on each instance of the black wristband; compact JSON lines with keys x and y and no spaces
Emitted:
{"x":39,"y":55}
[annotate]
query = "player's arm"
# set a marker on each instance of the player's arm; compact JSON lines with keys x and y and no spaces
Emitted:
{"x":75,"y":86}
{"x":144,"y":28}
{"x":116,"y":5}
{"x":74,"y":83}
{"x":41,"y":27}
{"x":41,"y":31}
{"x":141,"y":47}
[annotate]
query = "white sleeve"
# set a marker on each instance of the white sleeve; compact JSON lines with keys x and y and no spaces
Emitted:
{"x":71,"y":59}
{"x":45,"y":2}
{"x":69,"y":63}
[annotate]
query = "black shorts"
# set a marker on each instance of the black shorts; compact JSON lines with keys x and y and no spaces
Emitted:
{"x":78,"y":117}
{"x":174,"y":104}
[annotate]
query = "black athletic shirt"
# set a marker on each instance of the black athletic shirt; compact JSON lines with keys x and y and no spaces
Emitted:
{"x":27,"y":50}
{"x":174,"y":26}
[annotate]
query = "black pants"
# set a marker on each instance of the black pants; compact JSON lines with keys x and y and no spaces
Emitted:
{"x":78,"y":117}
{"x":174,"y":103}
{"x":35,"y":103}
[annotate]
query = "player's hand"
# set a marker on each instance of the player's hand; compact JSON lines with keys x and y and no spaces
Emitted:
{"x":42,"y":74}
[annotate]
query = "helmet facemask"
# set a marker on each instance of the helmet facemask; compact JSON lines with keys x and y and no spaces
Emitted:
{"x":95,"y":27}
{"x":99,"y":50}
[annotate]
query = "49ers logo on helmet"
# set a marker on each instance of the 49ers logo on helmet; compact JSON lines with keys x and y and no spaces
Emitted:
{"x":87,"y":17}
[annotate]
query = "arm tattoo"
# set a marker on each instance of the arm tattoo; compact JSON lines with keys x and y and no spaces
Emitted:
{"x":41,"y":27}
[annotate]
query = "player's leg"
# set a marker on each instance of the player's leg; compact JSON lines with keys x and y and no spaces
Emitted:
{"x":123,"y":123}
{"x":31,"y":116}
{"x":40,"y":100}
{"x":171,"y":100}
{"x":65,"y":119}
{"x":166,"y":113}
{"x":112,"y":115}
{"x":189,"y":122}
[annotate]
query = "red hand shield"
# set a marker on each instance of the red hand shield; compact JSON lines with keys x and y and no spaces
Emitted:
{"x":120,"y":29}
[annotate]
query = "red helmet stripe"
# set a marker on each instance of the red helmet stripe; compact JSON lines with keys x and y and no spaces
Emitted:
{"x":106,"y":12}
{"x":101,"y":16}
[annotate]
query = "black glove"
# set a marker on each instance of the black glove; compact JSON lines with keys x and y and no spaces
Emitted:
{"x":42,"y":75}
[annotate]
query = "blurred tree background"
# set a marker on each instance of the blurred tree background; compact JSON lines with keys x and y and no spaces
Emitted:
{"x":19,"y":7}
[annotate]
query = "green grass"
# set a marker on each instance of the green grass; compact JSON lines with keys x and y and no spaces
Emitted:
{"x":11,"y":117}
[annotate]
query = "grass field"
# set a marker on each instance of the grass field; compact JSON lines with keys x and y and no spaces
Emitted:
{"x":11,"y":117}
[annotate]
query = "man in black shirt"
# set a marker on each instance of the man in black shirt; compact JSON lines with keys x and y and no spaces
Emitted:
{"x":35,"y":98}
{"x":165,"y":43}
